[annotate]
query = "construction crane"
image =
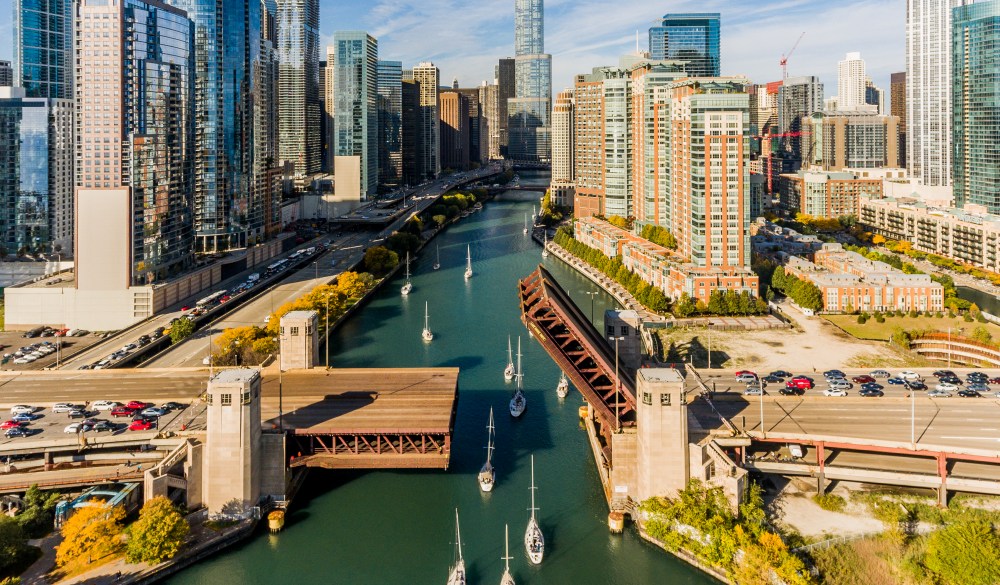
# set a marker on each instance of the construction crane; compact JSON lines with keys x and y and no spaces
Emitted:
{"x":784,"y":58}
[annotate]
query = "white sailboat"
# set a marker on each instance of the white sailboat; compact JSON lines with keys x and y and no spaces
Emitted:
{"x":518,"y":402}
{"x":562,"y":389}
{"x":534,"y":542}
{"x":525,"y":224}
{"x":427,"y":335}
{"x":437,"y":262}
{"x":534,"y":214}
{"x":408,"y":286}
{"x":545,"y":245}
{"x":507,"y":578}
{"x":457,"y":575}
{"x":468,"y":262}
{"x":508,"y":372}
{"x":486,"y":474}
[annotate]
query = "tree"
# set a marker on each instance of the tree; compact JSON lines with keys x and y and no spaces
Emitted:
{"x":181,"y":330}
{"x":403,"y":242}
{"x":379,"y":260}
{"x":684,"y":307}
{"x":89,"y":534}
{"x":618,"y":221}
{"x":158,"y":533}
{"x":657,"y":301}
{"x":13,"y":543}
{"x":982,"y":334}
{"x":36,"y":518}
{"x":778,"y":278}
{"x":353,"y":285}
{"x":810,"y":297}
{"x":965,"y":553}
{"x":439,"y":219}
{"x":716,"y":304}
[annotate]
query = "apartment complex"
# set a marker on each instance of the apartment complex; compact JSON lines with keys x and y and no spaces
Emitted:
{"x":859,"y":138}
{"x":6,"y":74}
{"x":454,"y":145}
{"x":529,"y":111}
{"x":427,"y":77}
{"x":390,"y":122}
{"x":300,"y":144}
{"x":897,"y":95}
{"x":851,"y":77}
{"x":355,"y":110}
{"x":693,"y":38}
{"x":829,"y":194}
{"x":43,"y":47}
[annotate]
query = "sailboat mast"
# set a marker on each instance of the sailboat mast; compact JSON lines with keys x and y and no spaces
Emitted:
{"x":519,"y":373}
{"x":506,"y":547}
{"x":533,"y":487}
{"x":458,"y":535}
{"x":489,"y":438}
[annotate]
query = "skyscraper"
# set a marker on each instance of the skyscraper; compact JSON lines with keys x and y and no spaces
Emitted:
{"x":851,"y":81}
{"x":490,"y":127}
{"x":43,"y":47}
{"x":976,"y":96}
{"x":390,"y":122}
{"x":928,"y":90}
{"x":897,"y":96}
{"x":133,"y":150}
{"x":454,"y":108}
{"x":267,"y":171}
{"x":300,"y":145}
{"x":504,"y":80}
{"x":225,"y":93}
{"x":690,"y":37}
{"x":797,"y":97}
{"x":874,"y":96}
{"x":562,"y":137}
{"x":6,"y":74}
{"x":427,"y":77}
{"x":355,"y":109}
{"x":530,"y":110}
{"x":413,"y":156}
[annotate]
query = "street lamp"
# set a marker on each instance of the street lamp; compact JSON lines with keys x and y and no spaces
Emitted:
{"x":281,"y":425}
{"x":326,"y":332}
{"x":592,"y":294}
{"x":618,"y":424}
{"x":710,"y":345}
{"x":949,"y":348}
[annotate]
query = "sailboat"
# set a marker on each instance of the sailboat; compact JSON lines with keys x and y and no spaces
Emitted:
{"x":562,"y":389}
{"x":486,"y":474}
{"x":534,"y":542}
{"x":518,"y":402}
{"x":525,"y":224}
{"x":408,"y":286}
{"x":437,"y":262}
{"x":507,"y":578}
{"x":508,"y":372}
{"x":545,"y":245}
{"x":534,"y":214}
{"x":457,"y":575}
{"x":427,"y":335}
{"x":468,"y":262}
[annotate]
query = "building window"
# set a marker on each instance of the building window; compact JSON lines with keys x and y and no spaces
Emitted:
{"x":227,"y":399}
{"x":665,"y":399}
{"x":209,"y":399}
{"x":647,"y":398}
{"x":295,"y":331}
{"x":246,"y":398}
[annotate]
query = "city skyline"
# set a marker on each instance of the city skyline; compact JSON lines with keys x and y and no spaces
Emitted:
{"x":753,"y":37}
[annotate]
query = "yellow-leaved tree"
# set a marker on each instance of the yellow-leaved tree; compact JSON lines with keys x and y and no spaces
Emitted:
{"x":90,"y":534}
{"x":158,"y":533}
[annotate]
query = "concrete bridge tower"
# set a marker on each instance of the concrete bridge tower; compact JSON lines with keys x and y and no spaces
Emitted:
{"x":232,"y":473}
{"x":662,"y":461}
{"x":299,"y":339}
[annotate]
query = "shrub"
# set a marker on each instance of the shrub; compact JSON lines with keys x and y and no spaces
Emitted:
{"x":965,"y":553}
{"x":158,"y":533}
{"x":830,"y":502}
{"x":862,"y":319}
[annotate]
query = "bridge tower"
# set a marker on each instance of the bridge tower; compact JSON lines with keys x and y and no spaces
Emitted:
{"x":232,"y":472}
{"x":662,"y":428}
{"x":299,"y":339}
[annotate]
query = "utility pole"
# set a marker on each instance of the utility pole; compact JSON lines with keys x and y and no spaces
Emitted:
{"x":592,"y":294}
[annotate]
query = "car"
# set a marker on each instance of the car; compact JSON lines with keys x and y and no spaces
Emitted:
{"x":21,"y":409}
{"x":186,"y":308}
{"x":863,"y":379}
{"x":896,"y":381}
{"x":939,"y":394}
{"x":122,"y":411}
{"x":880,"y":374}
{"x":77,"y":413}
{"x":105,"y":405}
{"x":946,"y":387}
{"x":791,"y":391}
{"x":103,"y":425}
{"x":16,"y":432}
{"x":154,"y":411}
{"x":871,"y":393}
{"x":24,"y":417}
{"x":138,"y":404}
{"x":951,"y":380}
{"x":916,"y":385}
{"x":173,"y":406}
{"x":24,"y":360}
{"x":995,"y":380}
{"x":976,"y":374}
{"x":746,"y":377}
{"x":73,"y":427}
{"x":781,"y":374}
{"x":835,"y":392}
{"x":978,"y":387}
{"x":61,"y":407}
{"x":140,"y":425}
{"x":943,"y":373}
{"x":9,"y":424}
{"x":753,"y":391}
{"x":62,"y":332}
{"x":742,"y":372}
{"x":872,"y":386}
{"x":772,"y":379}
{"x":206,"y":361}
{"x":840,"y":384}
{"x":967,"y":393}
{"x":802,"y":383}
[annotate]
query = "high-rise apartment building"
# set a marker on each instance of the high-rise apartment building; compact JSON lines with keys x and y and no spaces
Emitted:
{"x":134,"y":143}
{"x":413,"y":155}
{"x":562,"y":137}
{"x":300,"y":145}
{"x":454,"y":108}
{"x":851,"y":76}
{"x":36,"y":174}
{"x":505,"y":81}
{"x":976,"y":95}
{"x":355,"y":109}
{"x":929,"y":90}
{"x":390,"y":122}
{"x":692,"y":38}
{"x":797,"y":97}
{"x":856,"y":139}
{"x":43,"y":47}
{"x":529,"y":112}
{"x":874,"y":96}
{"x":225,"y":93}
{"x":325,"y":121}
{"x":476,"y":128}
{"x":897,"y":98}
{"x":489,"y":100}
{"x":428,"y":77}
{"x":267,"y":171}
{"x":328,"y":104}
{"x":6,"y":74}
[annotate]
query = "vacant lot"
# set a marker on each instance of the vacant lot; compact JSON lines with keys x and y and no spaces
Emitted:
{"x":881,"y":331}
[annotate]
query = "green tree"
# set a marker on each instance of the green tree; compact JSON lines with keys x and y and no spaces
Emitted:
{"x":778,"y":278}
{"x":439,"y":219}
{"x":13,"y":543}
{"x":657,"y":301}
{"x":403,"y":242}
{"x":716,"y":304}
{"x":181,"y":330}
{"x":684,"y":307}
{"x":810,"y":297}
{"x":618,"y":221}
{"x":982,"y":334}
{"x":91,"y":533}
{"x":965,"y":553}
{"x":158,"y":533}
{"x":379,"y":260}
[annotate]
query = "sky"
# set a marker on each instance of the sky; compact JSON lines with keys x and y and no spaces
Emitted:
{"x":465,"y":38}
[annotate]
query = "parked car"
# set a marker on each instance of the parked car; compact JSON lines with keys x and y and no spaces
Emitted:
{"x":835,"y":392}
{"x":880,"y":374}
{"x":173,"y":406}
{"x":105,"y":405}
{"x":967,"y":393}
{"x":103,"y":425}
{"x":140,"y":425}
{"x":154,"y":411}
{"x":939,"y":394}
{"x":9,"y":424}
{"x":77,"y":413}
{"x":24,"y":417}
{"x":138,"y":404}
{"x":16,"y":432}
{"x":73,"y":427}
{"x":22,"y":409}
{"x":863,"y":379}
{"x":871,"y":393}
{"x":119,"y":411}
{"x":896,"y":381}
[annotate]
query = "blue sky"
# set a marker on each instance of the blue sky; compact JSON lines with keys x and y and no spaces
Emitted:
{"x":464,"y":38}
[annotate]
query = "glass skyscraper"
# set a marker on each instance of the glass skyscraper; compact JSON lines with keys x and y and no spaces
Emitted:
{"x":43,"y":47}
{"x":300,"y":143}
{"x":390,"y":122}
{"x":692,"y":38}
{"x":355,"y":95}
{"x":976,"y":104}
{"x":529,"y":122}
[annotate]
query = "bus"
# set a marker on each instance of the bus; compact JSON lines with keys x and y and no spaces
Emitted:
{"x":210,"y":299}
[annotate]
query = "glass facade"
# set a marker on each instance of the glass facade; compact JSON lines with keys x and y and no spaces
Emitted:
{"x":692,"y":38}
{"x":976,"y":100}
{"x":390,"y":122}
{"x":43,"y":47}
{"x":529,"y":112}
{"x":24,"y":175}
{"x":355,"y":96}
{"x":300,"y":142}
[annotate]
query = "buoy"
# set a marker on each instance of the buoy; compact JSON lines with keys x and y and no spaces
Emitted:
{"x":276,"y":520}
{"x":616,"y":522}
{"x":583,"y":411}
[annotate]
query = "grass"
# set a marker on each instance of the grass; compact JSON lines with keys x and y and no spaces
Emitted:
{"x":876,"y":331}
{"x":830,"y":502}
{"x":876,"y":560}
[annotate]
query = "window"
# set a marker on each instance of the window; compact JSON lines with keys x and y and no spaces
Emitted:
{"x":624,"y":329}
{"x":245,"y":398}
{"x":647,"y":398}
{"x":295,"y":331}
{"x":665,"y":399}
{"x":226,"y":399}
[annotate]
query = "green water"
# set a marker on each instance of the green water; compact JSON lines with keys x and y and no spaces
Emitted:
{"x":398,"y":527}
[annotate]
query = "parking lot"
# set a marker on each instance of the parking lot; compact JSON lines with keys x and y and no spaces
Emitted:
{"x":13,"y":342}
{"x":51,"y":423}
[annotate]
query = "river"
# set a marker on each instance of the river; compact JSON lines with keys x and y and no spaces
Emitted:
{"x":390,"y":527}
{"x":984,"y":300}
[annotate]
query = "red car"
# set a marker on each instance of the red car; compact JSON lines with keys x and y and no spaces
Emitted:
{"x":865,"y":379}
{"x":140,"y":425}
{"x":185,"y":308}
{"x":10,"y":424}
{"x":745,"y":372}
{"x":138,"y":405}
{"x":122,"y":411}
{"x":801,"y":383}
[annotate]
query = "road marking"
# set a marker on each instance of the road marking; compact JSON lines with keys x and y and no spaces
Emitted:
{"x":973,"y":438}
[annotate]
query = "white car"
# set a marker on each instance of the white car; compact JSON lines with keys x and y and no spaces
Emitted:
{"x":72,"y":428}
{"x":63,"y":407}
{"x":840,"y":384}
{"x":747,"y":378}
{"x":940,"y":394}
{"x":908,"y":375}
{"x":104,"y":405}
{"x":834,"y":392}
{"x":946,"y":387}
{"x":23,"y":360}
{"x":21,"y":409}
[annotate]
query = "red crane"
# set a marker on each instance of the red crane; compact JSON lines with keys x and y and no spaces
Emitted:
{"x":784,"y":58}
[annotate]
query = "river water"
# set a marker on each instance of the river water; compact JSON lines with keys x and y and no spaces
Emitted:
{"x":986,"y":301}
{"x":390,"y":527}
